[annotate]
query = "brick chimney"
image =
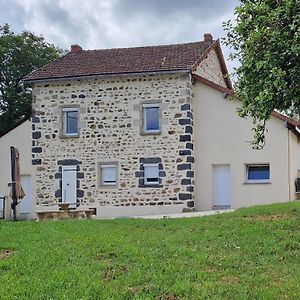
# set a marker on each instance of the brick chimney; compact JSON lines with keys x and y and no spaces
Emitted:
{"x":208,"y":37}
{"x":76,"y":49}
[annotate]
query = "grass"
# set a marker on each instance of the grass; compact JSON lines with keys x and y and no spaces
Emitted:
{"x":249,"y":254}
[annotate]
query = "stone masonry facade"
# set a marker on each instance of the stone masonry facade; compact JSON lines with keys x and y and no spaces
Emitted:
{"x":110,"y":131}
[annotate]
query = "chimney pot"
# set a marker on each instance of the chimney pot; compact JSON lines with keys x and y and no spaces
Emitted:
{"x":76,"y":49}
{"x":208,"y":37}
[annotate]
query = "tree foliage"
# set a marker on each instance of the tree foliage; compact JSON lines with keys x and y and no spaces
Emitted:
{"x":265,"y":38}
{"x":20,"y":54}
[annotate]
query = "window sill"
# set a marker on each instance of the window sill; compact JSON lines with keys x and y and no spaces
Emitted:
{"x":150,"y":186}
{"x":107,"y":187}
{"x":258,"y":182}
{"x":69,"y":136}
{"x":150,"y":133}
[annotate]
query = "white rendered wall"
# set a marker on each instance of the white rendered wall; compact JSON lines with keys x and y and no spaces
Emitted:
{"x":19,"y":137}
{"x":222,"y":137}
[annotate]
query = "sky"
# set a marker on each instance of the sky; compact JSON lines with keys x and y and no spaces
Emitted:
{"x":96,"y":24}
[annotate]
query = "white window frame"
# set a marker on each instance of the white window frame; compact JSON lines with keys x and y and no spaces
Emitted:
{"x":64,"y":125}
{"x":150,"y":105}
{"x":146,"y":182}
{"x":103,"y":166}
{"x":257,"y":180}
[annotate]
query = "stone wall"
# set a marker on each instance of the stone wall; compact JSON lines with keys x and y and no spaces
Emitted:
{"x":210,"y":69}
{"x":110,"y":118}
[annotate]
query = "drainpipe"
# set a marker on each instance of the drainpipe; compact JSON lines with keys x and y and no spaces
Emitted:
{"x":13,"y":182}
{"x":289,"y":162}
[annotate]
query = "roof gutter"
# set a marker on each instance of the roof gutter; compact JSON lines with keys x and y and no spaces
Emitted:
{"x":97,"y":76}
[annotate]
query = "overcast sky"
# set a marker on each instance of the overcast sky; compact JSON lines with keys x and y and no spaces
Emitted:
{"x":96,"y":24}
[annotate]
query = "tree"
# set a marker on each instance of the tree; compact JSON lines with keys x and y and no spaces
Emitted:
{"x":265,"y":38}
{"x":20,"y":54}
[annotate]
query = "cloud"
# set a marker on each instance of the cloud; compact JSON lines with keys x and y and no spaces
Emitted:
{"x":12,"y":13}
{"x":166,"y":9}
{"x":118,"y":23}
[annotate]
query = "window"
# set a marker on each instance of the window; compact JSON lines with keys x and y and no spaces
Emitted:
{"x":258,"y":173}
{"x":297,"y":185}
{"x":151,"y":118}
{"x":108,"y":175}
{"x":70,"y":121}
{"x":151,"y":174}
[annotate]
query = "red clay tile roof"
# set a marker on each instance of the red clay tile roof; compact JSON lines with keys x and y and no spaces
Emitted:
{"x":177,"y":57}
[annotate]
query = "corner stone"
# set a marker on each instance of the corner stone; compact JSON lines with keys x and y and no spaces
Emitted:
{"x":185,"y":196}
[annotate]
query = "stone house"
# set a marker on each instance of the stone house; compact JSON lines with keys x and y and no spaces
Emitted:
{"x":146,"y":130}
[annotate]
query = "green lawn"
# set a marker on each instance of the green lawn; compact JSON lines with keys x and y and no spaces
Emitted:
{"x":249,"y":254}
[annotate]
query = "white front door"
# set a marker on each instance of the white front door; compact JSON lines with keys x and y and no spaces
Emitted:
{"x":69,"y":177}
{"x":26,"y":202}
{"x":221,"y":186}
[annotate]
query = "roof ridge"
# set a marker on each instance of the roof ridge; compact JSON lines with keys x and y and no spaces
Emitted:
{"x":148,"y":46}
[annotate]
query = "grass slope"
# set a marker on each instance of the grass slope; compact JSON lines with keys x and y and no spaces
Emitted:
{"x":249,"y":254}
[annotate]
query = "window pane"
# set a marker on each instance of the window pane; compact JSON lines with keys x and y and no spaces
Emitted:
{"x":109,"y":175}
{"x":71,"y":122}
{"x":151,"y":174}
{"x":258,"y":172}
{"x":152,"y":118}
{"x":151,"y":171}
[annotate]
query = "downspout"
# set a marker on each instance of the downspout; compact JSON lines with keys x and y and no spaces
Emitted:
{"x":289,"y":162}
{"x":13,"y":182}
